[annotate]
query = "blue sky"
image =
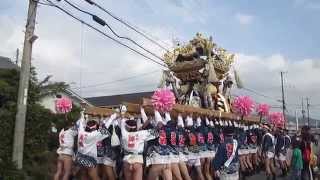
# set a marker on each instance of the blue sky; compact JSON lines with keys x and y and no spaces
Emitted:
{"x":267,"y":36}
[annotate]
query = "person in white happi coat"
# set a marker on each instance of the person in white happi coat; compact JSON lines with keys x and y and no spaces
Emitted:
{"x":132,"y":141}
{"x":65,"y":152}
{"x":89,"y":135}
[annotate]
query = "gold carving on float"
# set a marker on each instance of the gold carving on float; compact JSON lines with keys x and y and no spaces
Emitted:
{"x":199,"y":48}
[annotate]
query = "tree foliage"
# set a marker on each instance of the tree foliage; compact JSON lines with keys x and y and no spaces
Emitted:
{"x":40,"y":142}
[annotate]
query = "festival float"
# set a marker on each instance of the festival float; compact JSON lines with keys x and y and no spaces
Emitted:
{"x":197,"y":83}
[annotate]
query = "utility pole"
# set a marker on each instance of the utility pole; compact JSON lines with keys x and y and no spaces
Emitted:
{"x":19,"y":129}
{"x":308,"y":111}
{"x":297,"y":120}
{"x":283,"y":100}
{"x":302,"y":110}
{"x":17,"y":56}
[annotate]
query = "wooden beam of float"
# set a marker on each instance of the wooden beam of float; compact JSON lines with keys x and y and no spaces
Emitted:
{"x":99,"y":111}
{"x":186,"y":110}
{"x":103,"y":112}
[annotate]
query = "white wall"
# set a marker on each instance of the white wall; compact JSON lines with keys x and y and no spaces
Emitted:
{"x":49,"y":102}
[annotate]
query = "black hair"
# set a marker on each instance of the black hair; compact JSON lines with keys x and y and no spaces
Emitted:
{"x":295,"y":143}
{"x":69,"y":123}
{"x":90,"y":124}
{"x":132,"y":125}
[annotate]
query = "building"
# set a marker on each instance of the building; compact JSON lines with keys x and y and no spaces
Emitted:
{"x":47,"y":101}
{"x":115,"y":100}
{"x":6,"y":63}
{"x":50,"y":100}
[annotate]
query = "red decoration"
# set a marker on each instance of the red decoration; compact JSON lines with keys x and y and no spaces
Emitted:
{"x":243,"y":105}
{"x":263,"y":109}
{"x":277,"y":119}
{"x":63,"y":105}
{"x":163,"y":100}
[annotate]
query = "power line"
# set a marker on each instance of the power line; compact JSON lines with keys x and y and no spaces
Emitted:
{"x":118,"y":88}
{"x":259,"y":94}
{"x":103,"y":33}
{"x":46,"y":4}
{"x":104,"y":23}
{"x":125,"y":23}
{"x":118,"y":80}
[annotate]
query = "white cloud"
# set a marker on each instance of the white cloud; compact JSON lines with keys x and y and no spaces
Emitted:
{"x":263,"y":75}
{"x":57,"y":52}
{"x":244,"y":19}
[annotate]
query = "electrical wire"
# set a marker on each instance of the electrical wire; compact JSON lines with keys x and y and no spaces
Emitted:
{"x":42,"y":3}
{"x":118,"y":80}
{"x":124,"y":87}
{"x":103,"y":33}
{"x":125,"y":23}
{"x":260,"y":94}
{"x":104,"y":23}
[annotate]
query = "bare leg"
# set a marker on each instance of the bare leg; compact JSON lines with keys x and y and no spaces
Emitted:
{"x":202,"y":162}
{"x":248,"y":161}
{"x":255,"y":160}
{"x":100,"y":171}
{"x":176,"y":171}
{"x":108,"y":171}
{"x":272,"y":168}
{"x":58,"y":174}
{"x":199,"y":173}
{"x":155,"y":171}
{"x":93,"y":173}
{"x":207,"y":173}
{"x":127,"y":171}
{"x":184,"y":171}
{"x":166,"y":172}
{"x":67,"y":166}
{"x":83,"y":174}
{"x":242,"y":163}
{"x":137,"y":171}
{"x":267,"y":164}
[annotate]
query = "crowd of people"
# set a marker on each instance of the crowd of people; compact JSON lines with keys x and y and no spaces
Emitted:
{"x":160,"y":147}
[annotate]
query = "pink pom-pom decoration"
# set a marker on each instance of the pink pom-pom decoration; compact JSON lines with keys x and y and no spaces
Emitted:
{"x":63,"y":105}
{"x":243,"y":105}
{"x":163,"y":100}
{"x":263,"y":109}
{"x":277,"y":119}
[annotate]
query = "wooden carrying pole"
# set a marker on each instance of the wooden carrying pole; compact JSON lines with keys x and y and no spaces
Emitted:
{"x":184,"y":110}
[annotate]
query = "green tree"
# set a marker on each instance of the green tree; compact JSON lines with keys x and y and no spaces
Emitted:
{"x":38,"y":148}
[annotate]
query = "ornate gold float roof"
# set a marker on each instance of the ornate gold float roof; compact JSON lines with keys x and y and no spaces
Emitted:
{"x":222,"y":59}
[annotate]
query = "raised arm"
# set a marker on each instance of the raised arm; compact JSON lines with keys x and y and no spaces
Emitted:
{"x":149,"y":134}
{"x":81,"y":123}
{"x":107,"y":122}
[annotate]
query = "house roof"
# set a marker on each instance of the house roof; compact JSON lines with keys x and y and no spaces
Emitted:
{"x":118,"y":99}
{"x":77,"y":96}
{"x":6,"y":63}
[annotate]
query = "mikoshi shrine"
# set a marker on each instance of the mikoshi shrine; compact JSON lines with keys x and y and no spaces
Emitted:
{"x":200,"y":75}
